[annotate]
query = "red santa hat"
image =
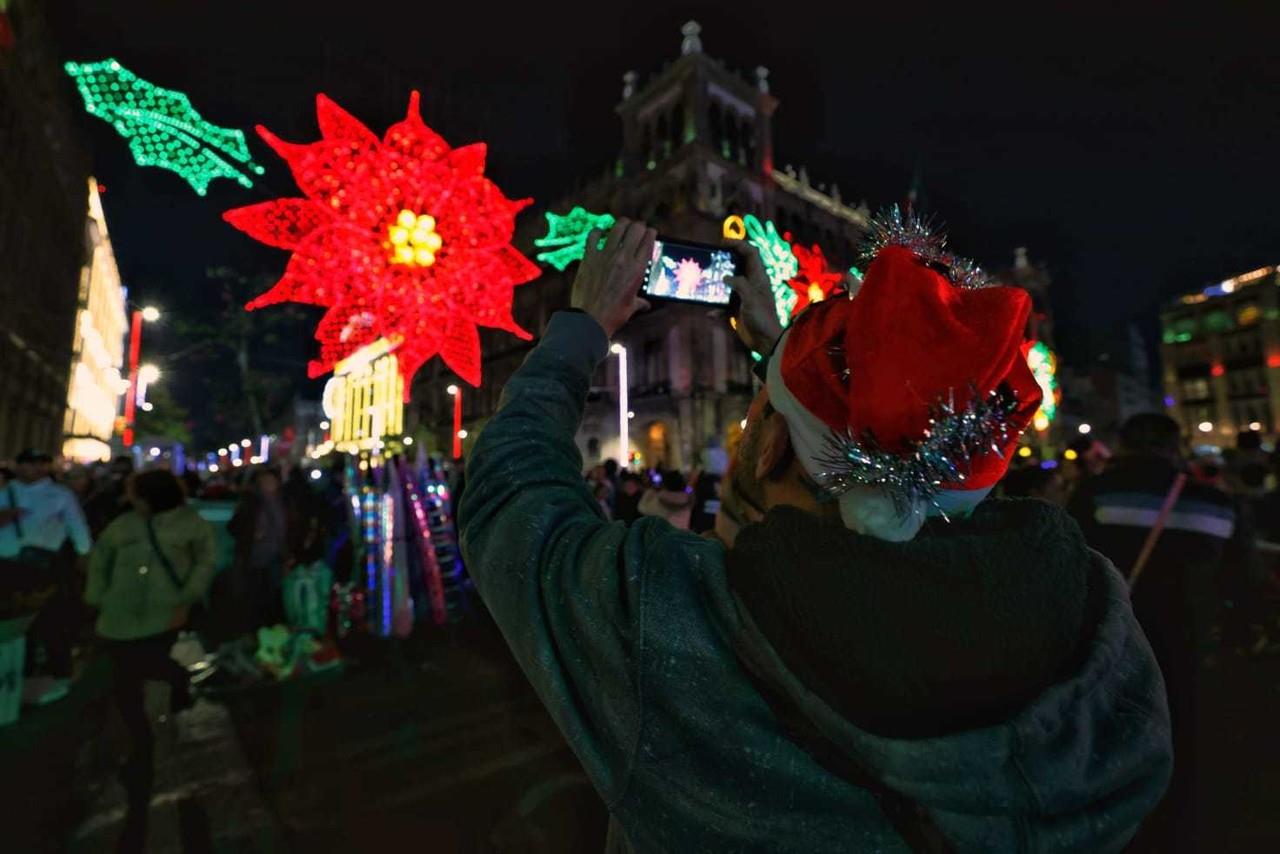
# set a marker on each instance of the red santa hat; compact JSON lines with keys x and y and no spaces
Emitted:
{"x":907,"y":399}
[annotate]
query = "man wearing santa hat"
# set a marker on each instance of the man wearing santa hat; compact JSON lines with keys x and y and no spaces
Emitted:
{"x":868,"y":656}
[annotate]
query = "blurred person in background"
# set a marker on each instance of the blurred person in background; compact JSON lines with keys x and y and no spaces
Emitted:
{"x":147,"y":570}
{"x":1205,"y":543}
{"x":260,"y":528}
{"x":626,"y":503}
{"x":43,"y":517}
{"x":671,"y":500}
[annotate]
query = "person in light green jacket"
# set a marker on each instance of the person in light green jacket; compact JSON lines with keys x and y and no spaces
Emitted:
{"x":146,"y":571}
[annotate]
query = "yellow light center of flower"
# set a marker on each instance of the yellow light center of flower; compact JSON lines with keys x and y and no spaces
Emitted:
{"x":413,"y":239}
{"x":815,"y":293}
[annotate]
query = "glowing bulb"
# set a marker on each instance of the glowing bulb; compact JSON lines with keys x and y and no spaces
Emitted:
{"x":1084,"y":429}
{"x":462,"y":434}
{"x":1070,"y":454}
{"x":630,"y":414}
{"x":213,"y":468}
{"x":424,"y":256}
{"x":1206,"y":426}
{"x":616,"y":348}
{"x":427,"y":222}
{"x":155,"y":452}
{"x":743,"y":424}
{"x":421,"y":236}
{"x":434,"y":241}
{"x":406,"y":219}
{"x":404,"y":254}
{"x":408,"y":440}
{"x":1255,"y":425}
{"x":324,"y":425}
{"x":1041,"y":421}
{"x":1024,"y":451}
{"x":399,"y":236}
{"x":237,"y":463}
{"x":815,"y":293}
{"x":151,"y":314}
{"x":148,"y":374}
{"x":244,"y":443}
{"x":452,"y":389}
{"x":315,"y":474}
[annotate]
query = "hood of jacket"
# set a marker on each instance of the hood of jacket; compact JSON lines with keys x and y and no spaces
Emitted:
{"x":988,"y":667}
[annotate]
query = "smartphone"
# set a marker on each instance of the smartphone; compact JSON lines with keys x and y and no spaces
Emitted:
{"x":690,"y":272}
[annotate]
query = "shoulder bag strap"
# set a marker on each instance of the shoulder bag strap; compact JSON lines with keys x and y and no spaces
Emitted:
{"x":164,"y":559}
{"x":1153,"y":536}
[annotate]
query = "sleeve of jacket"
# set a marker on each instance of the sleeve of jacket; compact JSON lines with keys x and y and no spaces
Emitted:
{"x":565,"y":586}
{"x":203,"y":554}
{"x":77,"y":527}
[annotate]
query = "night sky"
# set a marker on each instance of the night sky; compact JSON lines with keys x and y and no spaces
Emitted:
{"x":1136,"y":154}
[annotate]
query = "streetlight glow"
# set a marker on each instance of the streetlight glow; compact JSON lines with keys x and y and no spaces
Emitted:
{"x":1206,"y":426}
{"x":462,"y":434}
{"x":148,"y":373}
{"x":1085,"y":429}
{"x":244,"y":443}
{"x":408,"y":440}
{"x":452,"y":389}
{"x":151,"y":314}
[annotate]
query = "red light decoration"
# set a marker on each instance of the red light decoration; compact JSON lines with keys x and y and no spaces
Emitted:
{"x":1217,"y":370}
{"x":1273,"y":360}
{"x":402,"y":238}
{"x":815,"y":281}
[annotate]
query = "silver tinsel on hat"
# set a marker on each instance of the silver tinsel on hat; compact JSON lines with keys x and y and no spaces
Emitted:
{"x":953,"y":438}
{"x":891,"y":227}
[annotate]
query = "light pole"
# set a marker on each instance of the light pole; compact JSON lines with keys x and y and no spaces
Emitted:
{"x":623,"y":439}
{"x":150,"y":314}
{"x":458,"y":433}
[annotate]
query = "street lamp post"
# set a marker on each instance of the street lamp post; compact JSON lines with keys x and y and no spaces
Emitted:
{"x":458,"y":433}
{"x":149,"y":314}
{"x":623,"y":438}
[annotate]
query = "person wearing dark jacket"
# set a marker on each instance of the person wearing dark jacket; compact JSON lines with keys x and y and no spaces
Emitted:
{"x":260,"y":526}
{"x":1206,"y":546}
{"x":846,"y":670}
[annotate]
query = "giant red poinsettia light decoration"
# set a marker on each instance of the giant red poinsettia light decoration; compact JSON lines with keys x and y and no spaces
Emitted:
{"x":401,"y":238}
{"x":814,"y":281}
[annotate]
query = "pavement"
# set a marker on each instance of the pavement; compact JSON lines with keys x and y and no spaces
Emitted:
{"x":438,"y":744}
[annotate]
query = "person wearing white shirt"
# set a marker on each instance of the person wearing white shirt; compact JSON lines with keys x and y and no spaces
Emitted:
{"x":48,"y":513}
{"x":39,"y":516}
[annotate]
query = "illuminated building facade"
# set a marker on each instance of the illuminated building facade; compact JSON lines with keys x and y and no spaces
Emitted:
{"x":1221,"y":353}
{"x":42,"y":221}
{"x":697,"y":146}
{"x":364,"y":399}
{"x":95,"y":383}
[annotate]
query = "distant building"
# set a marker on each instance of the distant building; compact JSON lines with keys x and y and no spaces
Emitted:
{"x":95,"y":384}
{"x":43,"y":175}
{"x":1221,"y":353}
{"x":697,"y":145}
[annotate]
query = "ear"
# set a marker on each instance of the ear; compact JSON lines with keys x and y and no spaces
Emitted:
{"x":775,"y":447}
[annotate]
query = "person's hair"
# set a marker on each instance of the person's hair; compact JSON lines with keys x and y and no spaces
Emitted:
{"x":1249,"y":440}
{"x":159,"y":489}
{"x":1151,"y":433}
{"x":1027,"y":482}
{"x":1254,"y":475}
{"x":260,"y":472}
{"x":611,"y":468}
{"x":673,"y":481}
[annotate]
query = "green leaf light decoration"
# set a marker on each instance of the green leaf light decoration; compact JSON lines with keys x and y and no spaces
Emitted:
{"x":162,"y":127}
{"x":566,"y":237}
{"x":1044,"y":367}
{"x":779,"y":262}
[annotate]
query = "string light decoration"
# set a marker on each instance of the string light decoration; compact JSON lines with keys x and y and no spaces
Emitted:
{"x":401,"y":238}
{"x":566,"y":237}
{"x":815,"y":281}
{"x":1044,"y":367}
{"x":162,"y":127}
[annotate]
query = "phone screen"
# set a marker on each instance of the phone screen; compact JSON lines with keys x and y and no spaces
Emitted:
{"x":692,"y":272}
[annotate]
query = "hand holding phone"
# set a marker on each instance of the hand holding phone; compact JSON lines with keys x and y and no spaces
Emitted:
{"x":758,"y":325}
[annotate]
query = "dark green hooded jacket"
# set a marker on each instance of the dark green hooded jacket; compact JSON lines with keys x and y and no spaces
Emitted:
{"x":989,"y":672}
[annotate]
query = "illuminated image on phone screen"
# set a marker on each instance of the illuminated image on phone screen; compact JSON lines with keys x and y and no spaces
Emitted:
{"x":686,"y":272}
